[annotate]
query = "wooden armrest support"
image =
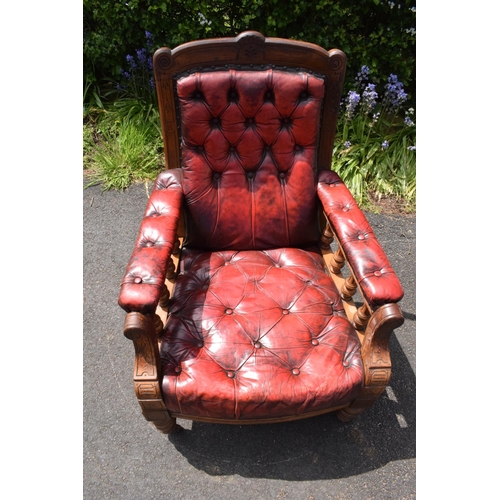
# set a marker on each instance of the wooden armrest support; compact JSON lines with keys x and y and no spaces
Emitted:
{"x":376,"y":358}
{"x":149,"y":264}
{"x":147,"y":371}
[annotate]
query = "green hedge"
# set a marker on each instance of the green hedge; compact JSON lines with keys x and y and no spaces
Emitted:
{"x":377,"y":33}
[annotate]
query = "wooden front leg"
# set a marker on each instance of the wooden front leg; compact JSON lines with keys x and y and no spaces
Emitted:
{"x":376,"y":358}
{"x":147,"y":371}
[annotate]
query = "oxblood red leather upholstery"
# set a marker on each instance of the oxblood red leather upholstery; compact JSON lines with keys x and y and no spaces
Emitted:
{"x":369,"y":262}
{"x":249,"y":144}
{"x":254,"y":334}
{"x":147,"y":268}
{"x":256,"y":327}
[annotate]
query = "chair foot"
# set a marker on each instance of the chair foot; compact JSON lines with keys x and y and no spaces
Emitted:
{"x":166,"y":426}
{"x":347,"y":414}
{"x":162,"y":421}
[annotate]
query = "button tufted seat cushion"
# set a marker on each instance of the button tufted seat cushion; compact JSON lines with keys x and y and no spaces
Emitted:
{"x":257,"y":333}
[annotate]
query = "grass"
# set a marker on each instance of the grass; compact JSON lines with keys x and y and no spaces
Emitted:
{"x":122,"y":144}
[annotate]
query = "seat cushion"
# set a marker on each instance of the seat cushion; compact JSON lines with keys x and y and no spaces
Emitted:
{"x":257,"y":334}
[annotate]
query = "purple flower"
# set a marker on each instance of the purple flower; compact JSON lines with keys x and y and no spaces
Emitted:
{"x":369,"y":98}
{"x":362,"y":75}
{"x":142,"y":57}
{"x":394,"y":94}
{"x":131,"y":62}
{"x":412,"y":148}
{"x":408,"y":122}
{"x":385,"y":144}
{"x":352,"y":102}
{"x":347,"y":144}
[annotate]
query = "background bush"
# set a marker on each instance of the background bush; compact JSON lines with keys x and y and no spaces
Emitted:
{"x":376,"y":33}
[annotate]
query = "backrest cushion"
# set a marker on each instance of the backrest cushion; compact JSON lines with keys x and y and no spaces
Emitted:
{"x":249,"y":141}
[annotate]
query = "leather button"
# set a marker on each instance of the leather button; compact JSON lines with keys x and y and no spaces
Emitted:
{"x":286,"y":311}
{"x":232,"y":148}
{"x":178,"y":369}
{"x":250,"y":175}
{"x":217,"y":176}
{"x":137,"y":280}
{"x":200,"y":344}
{"x":314,"y":341}
{"x":297,"y":147}
{"x":229,"y":311}
{"x":231,"y":374}
{"x":361,"y":237}
{"x":149,"y":244}
{"x":295,"y":371}
{"x":257,"y":345}
{"x":282,"y":175}
{"x":377,"y":273}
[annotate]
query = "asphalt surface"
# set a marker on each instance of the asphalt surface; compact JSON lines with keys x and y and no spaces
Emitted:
{"x":125,"y":457}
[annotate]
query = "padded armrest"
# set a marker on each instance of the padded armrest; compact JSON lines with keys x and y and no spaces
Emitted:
{"x":145,"y":275}
{"x":367,"y":259}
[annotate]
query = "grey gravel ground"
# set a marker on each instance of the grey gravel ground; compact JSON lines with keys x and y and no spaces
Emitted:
{"x":124,"y":457}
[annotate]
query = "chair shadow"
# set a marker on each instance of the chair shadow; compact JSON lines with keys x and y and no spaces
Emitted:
{"x":317,"y":448}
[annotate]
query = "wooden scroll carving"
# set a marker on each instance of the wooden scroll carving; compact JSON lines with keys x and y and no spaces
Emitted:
{"x":147,"y":371}
{"x":376,"y":358}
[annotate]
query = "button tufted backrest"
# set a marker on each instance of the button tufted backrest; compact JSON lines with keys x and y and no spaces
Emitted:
{"x":249,"y":143}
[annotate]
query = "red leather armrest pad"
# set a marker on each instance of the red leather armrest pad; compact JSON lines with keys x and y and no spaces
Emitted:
{"x":366,"y":257}
{"x":146,"y":271}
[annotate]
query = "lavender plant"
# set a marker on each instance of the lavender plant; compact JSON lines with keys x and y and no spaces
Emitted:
{"x":137,"y":79}
{"x":375,"y":152}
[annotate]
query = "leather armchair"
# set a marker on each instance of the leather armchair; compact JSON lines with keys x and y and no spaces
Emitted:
{"x":236,"y":303}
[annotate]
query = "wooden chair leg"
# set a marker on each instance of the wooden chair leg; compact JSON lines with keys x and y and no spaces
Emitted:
{"x":147,"y":371}
{"x":376,"y":358}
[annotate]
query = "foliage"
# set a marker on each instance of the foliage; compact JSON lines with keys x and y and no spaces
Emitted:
{"x":122,"y":144}
{"x":375,"y":147}
{"x":379,"y":33}
{"x":375,"y":151}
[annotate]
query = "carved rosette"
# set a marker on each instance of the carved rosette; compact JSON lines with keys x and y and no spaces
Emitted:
{"x":251,"y":47}
{"x":164,"y":59}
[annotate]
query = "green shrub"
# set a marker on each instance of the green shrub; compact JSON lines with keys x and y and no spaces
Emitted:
{"x":375,"y":148}
{"x":378,"y":33}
